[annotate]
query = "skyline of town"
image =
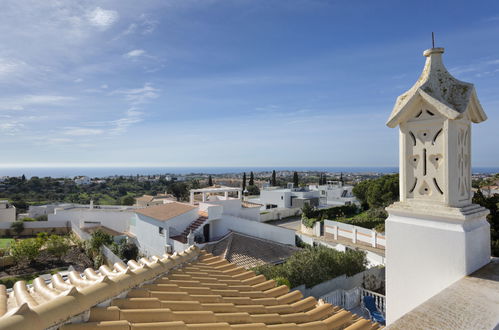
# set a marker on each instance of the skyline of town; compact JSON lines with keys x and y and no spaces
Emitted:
{"x":255,"y":83}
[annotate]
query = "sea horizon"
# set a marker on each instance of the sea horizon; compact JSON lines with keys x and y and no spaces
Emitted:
{"x":99,"y":172}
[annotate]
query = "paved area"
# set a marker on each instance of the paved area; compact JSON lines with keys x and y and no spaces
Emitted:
{"x":290,"y":223}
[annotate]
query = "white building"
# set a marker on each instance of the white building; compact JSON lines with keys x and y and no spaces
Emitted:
{"x":436,"y":236}
{"x":113,"y":217}
{"x":7,"y":211}
{"x":82,"y":180}
{"x":285,"y":198}
{"x":334,"y":193}
{"x":171,"y":227}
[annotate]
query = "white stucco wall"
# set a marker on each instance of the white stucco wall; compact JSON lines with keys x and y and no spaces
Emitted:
{"x":115,"y":220}
{"x":8,"y":214}
{"x":280,"y":197}
{"x":273,"y":233}
{"x":148,"y":239}
{"x":424,"y":256}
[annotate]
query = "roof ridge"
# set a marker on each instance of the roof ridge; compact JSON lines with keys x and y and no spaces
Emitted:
{"x":229,"y":244}
{"x":58,"y":302}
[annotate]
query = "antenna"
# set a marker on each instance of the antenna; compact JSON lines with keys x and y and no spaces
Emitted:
{"x":433,"y":40}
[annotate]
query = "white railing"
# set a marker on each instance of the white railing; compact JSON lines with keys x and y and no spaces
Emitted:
{"x":354,"y":233}
{"x":347,"y":299}
{"x":379,"y":300}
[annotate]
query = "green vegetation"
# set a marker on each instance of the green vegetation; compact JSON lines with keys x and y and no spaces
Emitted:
{"x":25,"y":250}
{"x":124,"y":250}
{"x":253,"y":190}
{"x":273,"y":180}
{"x":251,"y":179}
{"x":296,"y":180}
{"x":371,"y":219}
{"x":491,"y":203}
{"x":210,"y":181}
{"x":57,"y":245}
{"x":244,"y":182}
{"x":311,"y":215}
{"x":17,"y":227}
{"x":315,"y":265}
{"x":5,"y":242}
{"x":378,"y":193}
{"x":120,"y":190}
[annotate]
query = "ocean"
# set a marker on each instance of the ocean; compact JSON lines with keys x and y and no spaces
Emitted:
{"x":98,"y":172}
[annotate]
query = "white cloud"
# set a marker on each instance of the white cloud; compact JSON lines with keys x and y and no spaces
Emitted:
{"x":8,"y":66}
{"x":139,"y":95}
{"x":102,"y":18}
{"x":82,"y":131}
{"x":22,"y":101}
{"x":79,"y":80}
{"x":104,"y":86}
{"x":135,"y":53}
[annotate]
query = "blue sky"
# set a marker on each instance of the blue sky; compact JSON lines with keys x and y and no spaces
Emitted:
{"x":229,"y":83}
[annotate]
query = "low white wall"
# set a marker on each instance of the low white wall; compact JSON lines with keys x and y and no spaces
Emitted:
{"x":115,"y":220}
{"x":279,"y":213}
{"x":38,"y":224}
{"x":362,"y":234}
{"x":273,"y":233}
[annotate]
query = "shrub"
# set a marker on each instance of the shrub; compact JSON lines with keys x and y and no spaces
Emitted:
{"x":100,"y":238}
{"x":26,"y":250}
{"x":282,"y":281}
{"x":17,"y":227}
{"x":57,"y":246}
{"x":315,"y":265}
{"x":310,"y":215}
{"x":125,"y":250}
{"x":42,"y":217}
{"x":28,"y":219}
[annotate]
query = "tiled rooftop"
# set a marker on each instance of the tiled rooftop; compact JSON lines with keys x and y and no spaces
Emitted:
{"x":248,"y":251}
{"x":166,"y":211}
{"x":192,"y":290}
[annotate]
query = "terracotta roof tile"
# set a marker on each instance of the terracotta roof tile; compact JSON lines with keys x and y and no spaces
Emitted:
{"x":165,"y":212}
{"x":192,"y":290}
{"x":248,"y":251}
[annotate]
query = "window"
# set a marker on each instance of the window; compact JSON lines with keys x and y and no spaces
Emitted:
{"x":282,"y":197}
{"x":161,"y":231}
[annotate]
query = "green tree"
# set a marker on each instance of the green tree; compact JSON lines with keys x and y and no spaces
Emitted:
{"x":57,"y":246}
{"x":179,"y":190}
{"x":17,"y":227}
{"x":253,"y":190}
{"x":210,"y":181}
{"x":491,"y":203}
{"x":378,"y":192}
{"x":100,"y":238}
{"x":251,"y":179}
{"x":244,"y":181}
{"x":25,"y":250}
{"x":128,"y":200}
{"x":314,"y":265}
{"x":296,"y":181}
{"x":273,"y":180}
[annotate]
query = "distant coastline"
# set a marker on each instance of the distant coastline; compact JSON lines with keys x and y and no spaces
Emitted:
{"x":70,"y":172}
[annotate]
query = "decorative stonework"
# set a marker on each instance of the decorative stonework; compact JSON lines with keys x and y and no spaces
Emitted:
{"x":435,"y":118}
